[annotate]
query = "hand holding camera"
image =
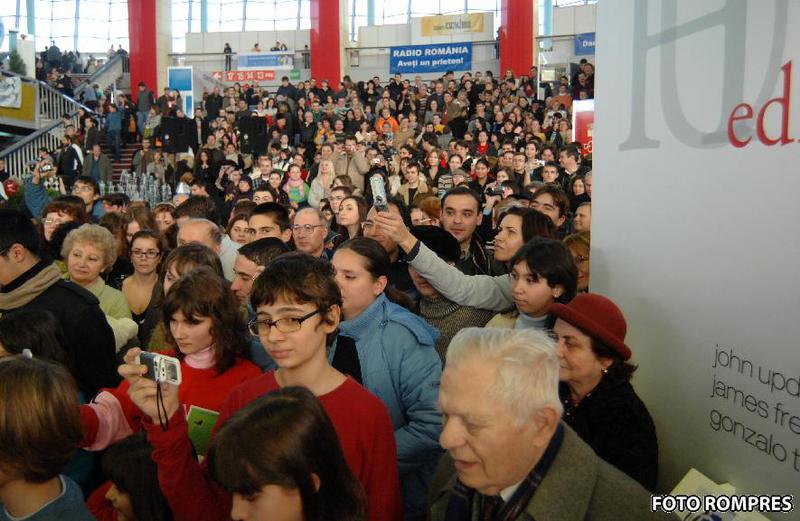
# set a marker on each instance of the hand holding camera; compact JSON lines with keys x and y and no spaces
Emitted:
{"x":152,"y":388}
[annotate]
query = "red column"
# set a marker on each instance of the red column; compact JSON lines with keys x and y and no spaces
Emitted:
{"x":142,"y":44}
{"x":516,"y":36}
{"x":326,"y":43}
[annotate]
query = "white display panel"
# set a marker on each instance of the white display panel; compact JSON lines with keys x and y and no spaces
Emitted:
{"x":697,"y":239}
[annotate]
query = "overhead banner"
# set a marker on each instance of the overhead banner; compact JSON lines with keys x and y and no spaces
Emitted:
{"x":441,"y":57}
{"x":584,"y":44}
{"x":443,"y":25}
{"x":695,"y":231}
{"x":265,"y":60}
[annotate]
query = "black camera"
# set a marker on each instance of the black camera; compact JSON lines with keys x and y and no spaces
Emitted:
{"x":495,"y":190}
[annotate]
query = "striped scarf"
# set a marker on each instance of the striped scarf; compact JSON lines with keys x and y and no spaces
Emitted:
{"x":467,"y":504}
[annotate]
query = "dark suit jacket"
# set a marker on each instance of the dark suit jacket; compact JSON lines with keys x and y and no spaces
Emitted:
{"x":104,"y":165}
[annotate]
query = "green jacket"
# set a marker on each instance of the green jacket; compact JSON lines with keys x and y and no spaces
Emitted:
{"x":578,"y":486}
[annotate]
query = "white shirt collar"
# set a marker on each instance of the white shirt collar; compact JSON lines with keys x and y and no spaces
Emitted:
{"x":506,"y":493}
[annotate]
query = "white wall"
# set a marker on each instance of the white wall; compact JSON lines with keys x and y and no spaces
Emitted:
{"x":570,"y":21}
{"x":698,"y":240}
{"x":575,"y":20}
{"x":244,"y":41}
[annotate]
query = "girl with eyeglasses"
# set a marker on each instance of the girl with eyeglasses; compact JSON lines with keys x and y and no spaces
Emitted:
{"x":298,"y":308}
{"x":139,"y":288}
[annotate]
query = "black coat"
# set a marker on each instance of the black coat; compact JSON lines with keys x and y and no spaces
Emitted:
{"x":615,"y":423}
{"x":90,"y":346}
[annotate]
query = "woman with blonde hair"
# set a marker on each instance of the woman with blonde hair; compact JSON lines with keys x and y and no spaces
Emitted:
{"x":322,"y":184}
{"x":90,"y":251}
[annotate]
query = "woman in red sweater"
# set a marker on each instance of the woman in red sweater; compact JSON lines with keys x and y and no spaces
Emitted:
{"x":298,"y":308}
{"x":201,"y":319}
{"x":203,"y":322}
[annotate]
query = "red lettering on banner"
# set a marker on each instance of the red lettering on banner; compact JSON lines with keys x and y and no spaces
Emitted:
{"x":784,"y":102}
{"x":254,"y":75}
{"x":747,"y":115}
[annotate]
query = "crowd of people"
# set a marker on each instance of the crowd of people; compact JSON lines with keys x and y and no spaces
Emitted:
{"x":382,"y":312}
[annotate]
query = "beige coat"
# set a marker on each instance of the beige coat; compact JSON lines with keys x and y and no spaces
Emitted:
{"x":354,"y":166}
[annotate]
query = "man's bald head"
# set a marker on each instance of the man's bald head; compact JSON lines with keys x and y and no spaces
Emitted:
{"x":200,"y":231}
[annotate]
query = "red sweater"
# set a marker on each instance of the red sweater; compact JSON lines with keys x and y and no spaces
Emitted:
{"x":361,"y":422}
{"x":199,"y":387}
{"x":115,"y":416}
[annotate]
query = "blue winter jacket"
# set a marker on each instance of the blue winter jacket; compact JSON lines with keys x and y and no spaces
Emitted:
{"x":400,"y":366}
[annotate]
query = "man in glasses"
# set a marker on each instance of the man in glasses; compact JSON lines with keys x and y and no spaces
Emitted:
{"x":87,"y":189}
{"x":309,"y":231}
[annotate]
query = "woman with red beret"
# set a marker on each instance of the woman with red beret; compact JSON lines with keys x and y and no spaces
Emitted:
{"x":599,"y":401}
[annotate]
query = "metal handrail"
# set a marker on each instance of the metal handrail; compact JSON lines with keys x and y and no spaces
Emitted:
{"x":53,"y":104}
{"x":106,"y":75}
{"x":18,"y":155}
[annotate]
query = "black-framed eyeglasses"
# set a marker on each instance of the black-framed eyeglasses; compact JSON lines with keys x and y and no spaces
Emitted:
{"x":284,"y":325}
{"x":150,"y":254}
{"x":580,"y":258}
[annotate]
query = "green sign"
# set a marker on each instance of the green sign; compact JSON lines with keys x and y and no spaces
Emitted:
{"x":295,"y":74}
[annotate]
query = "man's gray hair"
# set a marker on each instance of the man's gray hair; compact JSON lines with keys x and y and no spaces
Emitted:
{"x":315,"y":211}
{"x":527,"y":377}
{"x":214,"y":230}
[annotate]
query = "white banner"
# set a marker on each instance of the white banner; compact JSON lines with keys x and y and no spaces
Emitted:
{"x":11,"y":92}
{"x":695,"y":230}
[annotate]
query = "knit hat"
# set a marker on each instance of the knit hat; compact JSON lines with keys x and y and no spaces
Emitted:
{"x":598,"y":318}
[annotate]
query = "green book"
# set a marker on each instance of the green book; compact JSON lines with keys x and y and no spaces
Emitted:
{"x":201,"y":424}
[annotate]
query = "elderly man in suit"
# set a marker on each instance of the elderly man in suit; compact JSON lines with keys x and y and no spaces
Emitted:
{"x":509,"y":455}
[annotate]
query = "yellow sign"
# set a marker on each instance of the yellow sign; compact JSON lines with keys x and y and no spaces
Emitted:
{"x":452,"y":24}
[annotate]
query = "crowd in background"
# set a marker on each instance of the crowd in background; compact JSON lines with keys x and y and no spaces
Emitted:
{"x":378,"y":294}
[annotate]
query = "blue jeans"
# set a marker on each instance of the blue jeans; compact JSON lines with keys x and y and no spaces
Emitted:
{"x":141,"y":120}
{"x":113,"y":142}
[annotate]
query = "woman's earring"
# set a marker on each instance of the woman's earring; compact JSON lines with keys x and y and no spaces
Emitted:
{"x":605,"y":370}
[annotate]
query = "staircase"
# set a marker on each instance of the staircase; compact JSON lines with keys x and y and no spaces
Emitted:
{"x":52,"y":106}
{"x":126,"y":156}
